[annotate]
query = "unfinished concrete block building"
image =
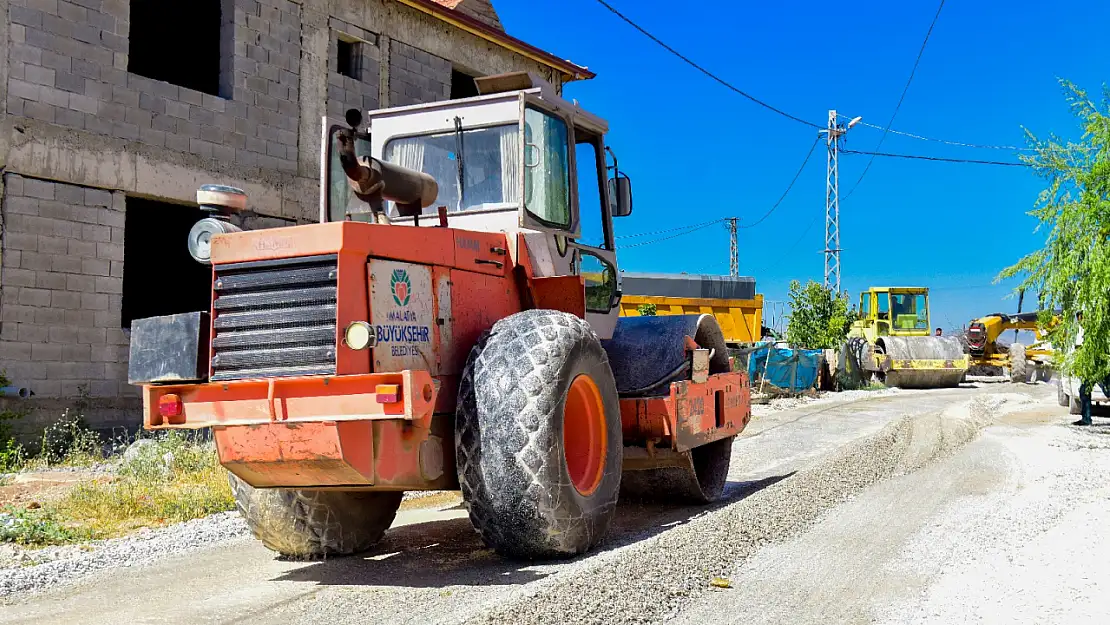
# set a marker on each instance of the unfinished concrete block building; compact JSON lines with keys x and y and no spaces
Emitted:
{"x":115,"y":111}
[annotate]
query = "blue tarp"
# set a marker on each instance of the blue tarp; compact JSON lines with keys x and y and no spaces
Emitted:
{"x":789,"y":369}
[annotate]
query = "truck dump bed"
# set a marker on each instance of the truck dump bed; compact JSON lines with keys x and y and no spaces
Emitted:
{"x":731,"y":300}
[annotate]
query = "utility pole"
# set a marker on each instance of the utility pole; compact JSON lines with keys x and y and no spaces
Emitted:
{"x":832,"y":206}
{"x":734,"y":248}
{"x":832,"y":201}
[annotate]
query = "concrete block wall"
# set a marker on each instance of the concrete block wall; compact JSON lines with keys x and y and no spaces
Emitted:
{"x":416,"y":76}
{"x":69,"y":67}
{"x":62,"y":289}
{"x":360,"y":91}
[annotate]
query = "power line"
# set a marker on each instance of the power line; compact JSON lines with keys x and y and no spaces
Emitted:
{"x":701,"y":69}
{"x":935,"y":158}
{"x":947,"y":142}
{"x":668,"y":230}
{"x":673,"y":236}
{"x":962,"y":144}
{"x":898,"y":106}
{"x":788,"y":188}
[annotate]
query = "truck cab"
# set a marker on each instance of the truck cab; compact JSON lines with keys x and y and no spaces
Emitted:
{"x":516,"y":158}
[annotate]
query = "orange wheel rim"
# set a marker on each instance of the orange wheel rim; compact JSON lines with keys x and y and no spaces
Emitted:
{"x":584,"y":435}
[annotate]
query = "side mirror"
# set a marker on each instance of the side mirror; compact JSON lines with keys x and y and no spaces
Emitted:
{"x":620,"y":196}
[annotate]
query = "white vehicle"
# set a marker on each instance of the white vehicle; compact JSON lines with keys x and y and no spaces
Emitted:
{"x":1067,"y":393}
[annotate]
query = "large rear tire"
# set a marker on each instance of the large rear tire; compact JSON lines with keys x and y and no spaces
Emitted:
{"x":1019,"y":366}
{"x":306,"y":524}
{"x":538,"y":436}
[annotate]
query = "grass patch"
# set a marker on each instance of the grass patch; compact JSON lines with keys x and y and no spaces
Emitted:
{"x":873,"y":386}
{"x":37,"y":528}
{"x":168,"y":480}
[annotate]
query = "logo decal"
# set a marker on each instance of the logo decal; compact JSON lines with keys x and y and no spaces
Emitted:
{"x":401,"y":286}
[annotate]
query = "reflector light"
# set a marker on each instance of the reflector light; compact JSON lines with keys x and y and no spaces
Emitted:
{"x":388,"y":393}
{"x":170,"y":406}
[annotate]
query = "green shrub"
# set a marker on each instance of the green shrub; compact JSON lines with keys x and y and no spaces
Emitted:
{"x":12,"y":457}
{"x":168,"y":479}
{"x":70,"y":441}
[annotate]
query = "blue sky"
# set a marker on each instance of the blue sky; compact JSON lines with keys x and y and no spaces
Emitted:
{"x":990,"y":68}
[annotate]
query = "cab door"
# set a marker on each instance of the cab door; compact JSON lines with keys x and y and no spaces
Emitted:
{"x":595,"y":253}
{"x":563,"y":161}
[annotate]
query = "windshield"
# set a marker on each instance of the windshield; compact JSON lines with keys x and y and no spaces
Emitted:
{"x":910,"y":311}
{"x":486,"y":177}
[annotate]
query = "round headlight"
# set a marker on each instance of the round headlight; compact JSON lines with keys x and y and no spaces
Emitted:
{"x":359,"y":335}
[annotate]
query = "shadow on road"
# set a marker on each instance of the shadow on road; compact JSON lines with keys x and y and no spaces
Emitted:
{"x":449,"y":552}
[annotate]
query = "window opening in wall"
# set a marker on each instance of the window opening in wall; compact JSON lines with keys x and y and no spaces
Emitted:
{"x":159,"y":275}
{"x":347,"y":62}
{"x":462,"y":85}
{"x":179,"y":43}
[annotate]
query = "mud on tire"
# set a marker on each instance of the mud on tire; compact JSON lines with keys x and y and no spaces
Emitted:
{"x":509,"y":437}
{"x":306,"y":524}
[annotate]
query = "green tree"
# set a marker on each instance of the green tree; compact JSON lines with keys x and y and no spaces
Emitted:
{"x":1072,"y":271}
{"x":819,"y":317}
{"x":646,"y":310}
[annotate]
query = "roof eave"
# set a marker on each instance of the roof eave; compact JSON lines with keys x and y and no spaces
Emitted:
{"x":569,"y":70}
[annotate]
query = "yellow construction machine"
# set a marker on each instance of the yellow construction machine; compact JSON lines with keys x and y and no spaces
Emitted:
{"x":1021,"y":360}
{"x":892,"y":343}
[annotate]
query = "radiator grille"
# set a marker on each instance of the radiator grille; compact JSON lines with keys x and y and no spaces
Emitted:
{"x":274,"y":318}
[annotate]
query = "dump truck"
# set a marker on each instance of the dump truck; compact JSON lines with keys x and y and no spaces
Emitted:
{"x":892,"y":343}
{"x":982,"y":340}
{"x":443,"y":327}
{"x":732,"y":300}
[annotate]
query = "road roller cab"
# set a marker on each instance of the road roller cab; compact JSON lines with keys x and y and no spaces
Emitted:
{"x":452,"y":323}
{"x":892,"y":343}
{"x":893,"y":311}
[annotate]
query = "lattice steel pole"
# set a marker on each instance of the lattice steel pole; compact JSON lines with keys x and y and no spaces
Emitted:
{"x":734,"y":248}
{"x":832,"y":206}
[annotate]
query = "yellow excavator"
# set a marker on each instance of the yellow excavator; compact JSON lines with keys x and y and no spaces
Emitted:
{"x":892,"y":343}
{"x":982,"y":341}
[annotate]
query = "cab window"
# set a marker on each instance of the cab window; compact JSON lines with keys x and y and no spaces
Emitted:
{"x":341,"y":199}
{"x":546,"y":168}
{"x":600,"y":282}
{"x":909,"y":311}
{"x":865,"y":304}
{"x":590,"y":168}
{"x":476,"y":169}
{"x":884,"y":305}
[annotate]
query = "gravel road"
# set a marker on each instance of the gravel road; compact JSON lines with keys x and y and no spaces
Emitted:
{"x":865,"y":507}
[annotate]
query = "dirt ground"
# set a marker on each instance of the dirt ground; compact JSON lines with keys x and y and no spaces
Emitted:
{"x":976,"y":504}
{"x":26,"y":489}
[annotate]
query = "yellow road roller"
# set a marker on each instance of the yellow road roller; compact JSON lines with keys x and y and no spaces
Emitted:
{"x":892,"y":343}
